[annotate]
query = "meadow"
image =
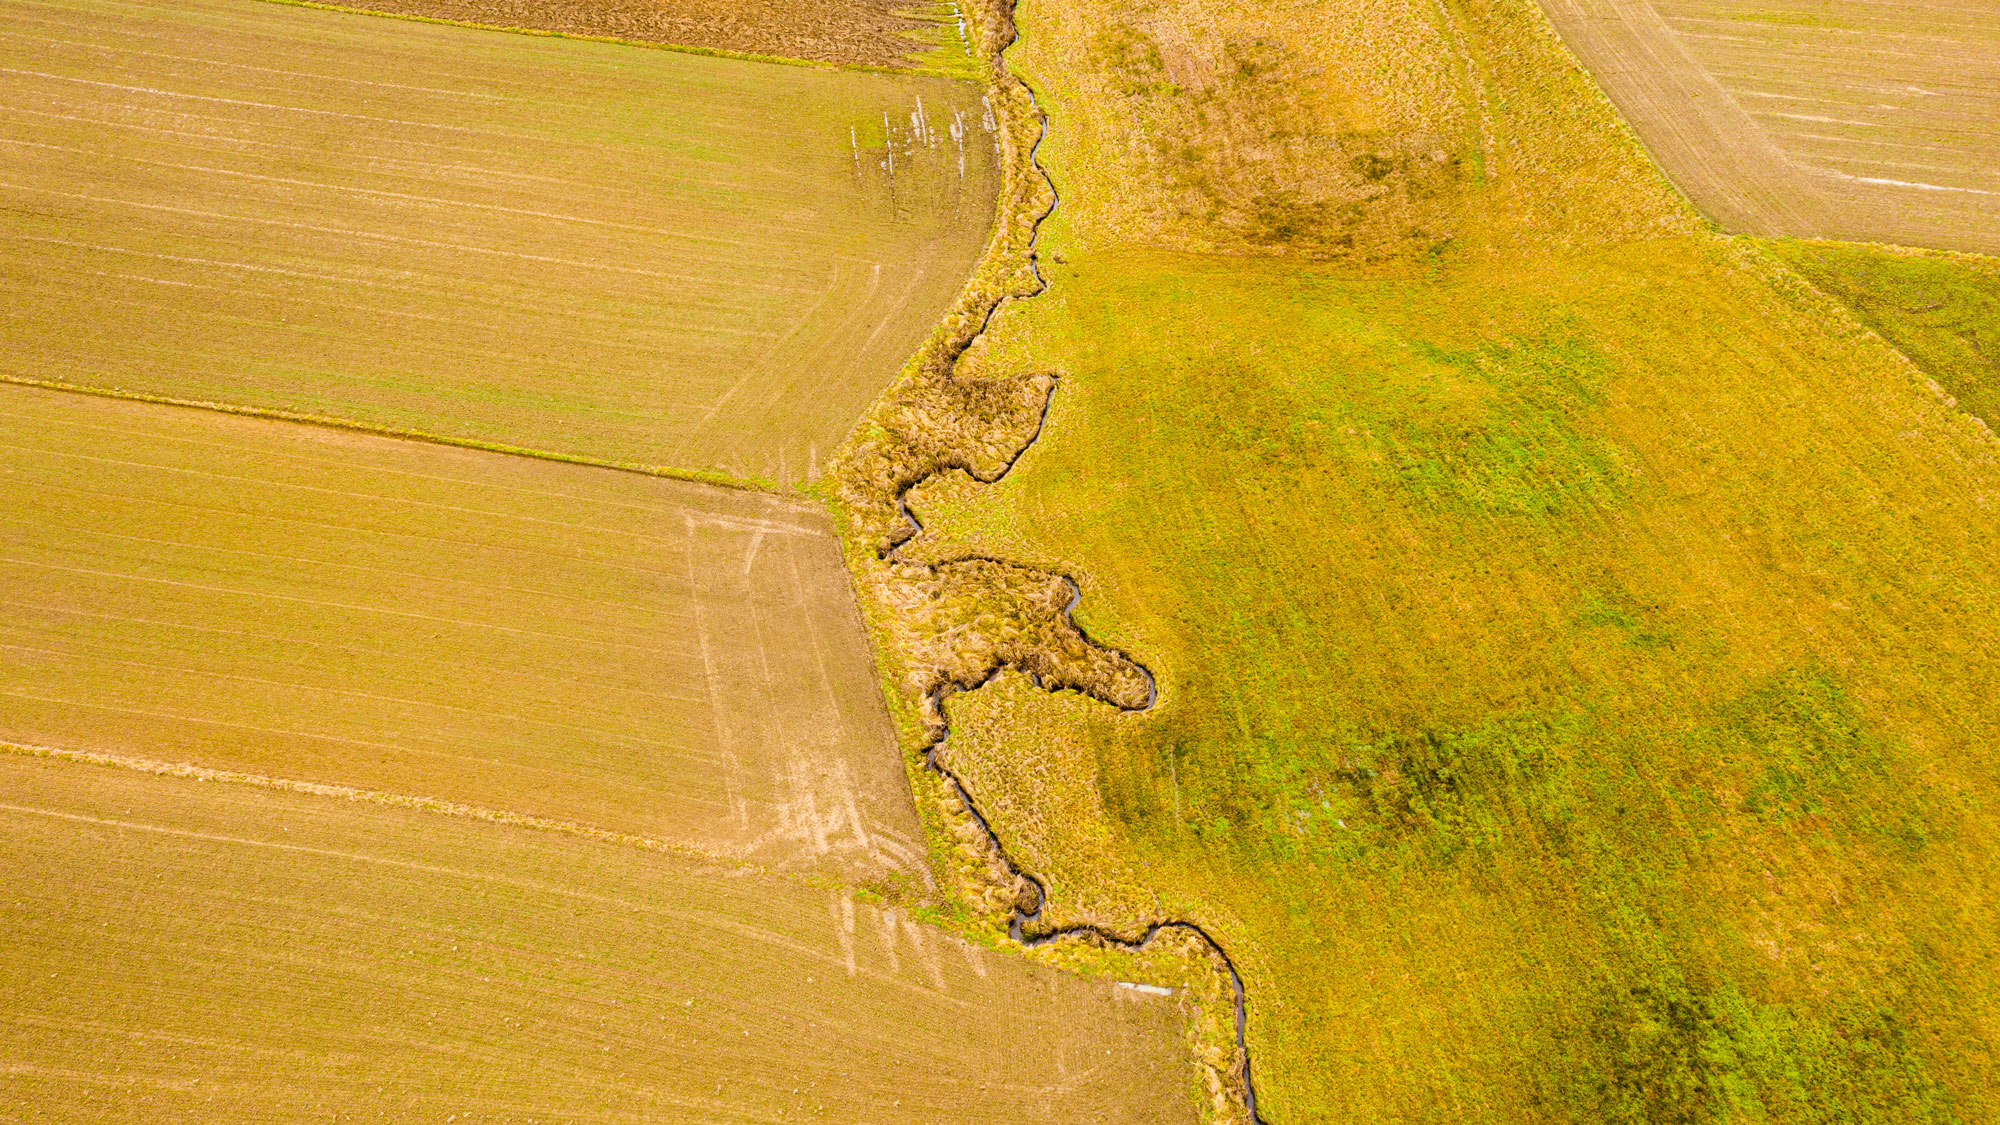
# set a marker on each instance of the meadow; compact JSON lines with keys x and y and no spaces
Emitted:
{"x":1866,"y":120}
{"x":1941,"y":310}
{"x":611,"y":252}
{"x":1575,"y":636}
{"x":649,"y":656}
{"x":186,"y":950}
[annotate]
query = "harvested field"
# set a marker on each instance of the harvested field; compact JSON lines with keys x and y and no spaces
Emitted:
{"x":648,"y":656}
{"x":607,"y":251}
{"x":885,"y":33}
{"x":186,"y":951}
{"x":1868,"y":120}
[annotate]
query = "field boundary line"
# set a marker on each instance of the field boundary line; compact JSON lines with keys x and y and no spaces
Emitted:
{"x":190,"y":771}
{"x":646,"y":44}
{"x":666,"y":472}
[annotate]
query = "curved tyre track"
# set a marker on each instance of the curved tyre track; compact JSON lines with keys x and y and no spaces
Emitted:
{"x":1024,"y":922}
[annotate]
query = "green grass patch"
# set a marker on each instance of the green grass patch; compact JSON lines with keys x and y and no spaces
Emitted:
{"x":1573,"y":677}
{"x":1941,"y":310}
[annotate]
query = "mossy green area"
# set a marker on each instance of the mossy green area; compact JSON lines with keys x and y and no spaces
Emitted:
{"x":1941,"y":310}
{"x":1576,"y":661}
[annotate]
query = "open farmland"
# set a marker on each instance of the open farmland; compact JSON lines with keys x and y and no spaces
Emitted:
{"x":901,"y":34}
{"x":179,"y":950}
{"x":599,"y":250}
{"x":1869,"y":120}
{"x":1577,"y":643}
{"x":648,"y":656}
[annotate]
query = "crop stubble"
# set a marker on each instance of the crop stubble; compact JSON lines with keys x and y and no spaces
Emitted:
{"x":600,"y":250}
{"x":346,"y":957}
{"x":649,"y":656}
{"x":1856,"y":119}
{"x":885,"y":33}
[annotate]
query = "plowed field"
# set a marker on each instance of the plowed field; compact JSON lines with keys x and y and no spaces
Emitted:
{"x":889,"y":33}
{"x":1870,"y":120}
{"x":603,"y":250}
{"x":649,"y":656}
{"x":179,"y":951}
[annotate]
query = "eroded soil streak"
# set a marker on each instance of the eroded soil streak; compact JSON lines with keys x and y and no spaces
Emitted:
{"x":960,"y":622}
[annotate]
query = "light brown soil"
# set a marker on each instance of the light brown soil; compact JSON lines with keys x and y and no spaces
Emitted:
{"x":648,"y":656}
{"x":1855,"y":119}
{"x":182,"y":951}
{"x":866,"y":32}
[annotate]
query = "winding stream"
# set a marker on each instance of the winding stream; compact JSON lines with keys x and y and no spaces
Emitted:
{"x":1024,"y":923}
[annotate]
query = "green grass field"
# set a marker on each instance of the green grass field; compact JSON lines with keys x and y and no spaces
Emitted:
{"x":603,"y":250}
{"x":643,"y":655}
{"x":1576,"y":645}
{"x":1941,"y":310}
{"x":180,"y":950}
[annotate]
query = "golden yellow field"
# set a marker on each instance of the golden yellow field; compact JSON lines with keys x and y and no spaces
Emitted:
{"x":615,"y":252}
{"x":180,"y":951}
{"x":1868,"y":120}
{"x":644,"y":655}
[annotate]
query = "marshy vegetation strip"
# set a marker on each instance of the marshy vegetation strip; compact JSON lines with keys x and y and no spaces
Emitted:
{"x":646,"y":655}
{"x":187,"y":951}
{"x":693,"y":476}
{"x":882,"y":468}
{"x":636,"y":257}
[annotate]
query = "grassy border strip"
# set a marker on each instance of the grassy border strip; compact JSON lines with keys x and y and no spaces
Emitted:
{"x":649,"y":44}
{"x":692,"y":476}
{"x":369,"y":796}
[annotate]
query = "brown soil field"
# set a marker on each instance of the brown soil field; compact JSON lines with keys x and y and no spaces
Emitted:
{"x":187,"y":951}
{"x":648,"y":656}
{"x":1867,"y":120}
{"x":601,"y":250}
{"x":885,"y":33}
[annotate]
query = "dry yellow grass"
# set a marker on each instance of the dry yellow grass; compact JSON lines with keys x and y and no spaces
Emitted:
{"x":1575,"y":642}
{"x":1869,"y":120}
{"x":179,"y":950}
{"x":604,"y":250}
{"x":643,"y":655}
